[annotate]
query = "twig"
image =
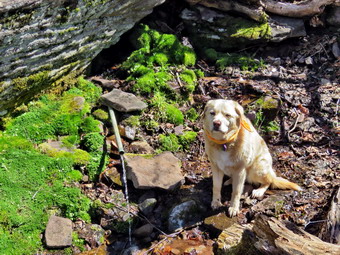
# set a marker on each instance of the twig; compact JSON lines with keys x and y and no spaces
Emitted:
{"x":142,"y":217}
{"x":296,"y":121}
{"x":36,"y":193}
{"x":315,"y":221}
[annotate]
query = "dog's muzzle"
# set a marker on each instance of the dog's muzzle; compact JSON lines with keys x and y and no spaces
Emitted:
{"x":216,"y":125}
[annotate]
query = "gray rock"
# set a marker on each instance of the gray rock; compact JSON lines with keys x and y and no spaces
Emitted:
{"x":333,"y":16}
{"x":216,"y":29}
{"x":122,"y":101}
{"x":147,"y":206}
{"x":141,"y":147}
{"x":46,"y":41}
{"x":130,"y":132}
{"x":93,"y":234}
{"x":184,"y":214}
{"x":58,"y":233}
{"x":143,"y":231}
{"x":161,"y":171}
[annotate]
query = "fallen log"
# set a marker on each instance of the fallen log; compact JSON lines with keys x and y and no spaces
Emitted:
{"x":268,"y":235}
{"x":286,"y":238}
{"x":330,"y":231}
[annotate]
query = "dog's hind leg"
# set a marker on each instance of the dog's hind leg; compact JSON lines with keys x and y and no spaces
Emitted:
{"x":238,"y":180}
{"x":259,"y":192}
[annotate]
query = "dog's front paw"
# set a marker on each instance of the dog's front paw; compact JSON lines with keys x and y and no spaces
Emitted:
{"x":216,"y":204}
{"x":233,"y":211}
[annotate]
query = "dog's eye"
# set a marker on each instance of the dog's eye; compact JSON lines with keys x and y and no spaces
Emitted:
{"x":212,"y":113}
{"x":227,"y":115}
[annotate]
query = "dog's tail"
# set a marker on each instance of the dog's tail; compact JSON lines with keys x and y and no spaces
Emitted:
{"x":281,"y":183}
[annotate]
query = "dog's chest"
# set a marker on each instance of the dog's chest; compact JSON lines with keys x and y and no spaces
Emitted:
{"x":227,"y":159}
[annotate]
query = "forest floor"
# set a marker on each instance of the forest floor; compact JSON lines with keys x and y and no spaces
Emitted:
{"x":303,"y":75}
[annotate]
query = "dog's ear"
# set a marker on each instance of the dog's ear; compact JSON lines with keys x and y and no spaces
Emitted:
{"x":239,"y":110}
{"x":203,"y":114}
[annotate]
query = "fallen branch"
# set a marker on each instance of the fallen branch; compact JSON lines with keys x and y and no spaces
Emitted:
{"x":268,"y":235}
{"x":307,"y":8}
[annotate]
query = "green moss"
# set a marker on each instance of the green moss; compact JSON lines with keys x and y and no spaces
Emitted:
{"x":66,"y":124}
{"x":80,"y":157}
{"x":89,"y":125}
{"x":192,"y":114}
{"x":155,"y":50}
{"x":50,"y":116}
{"x":189,"y":57}
{"x":132,"y":121}
{"x":253,"y":31}
{"x":101,"y":115}
{"x":175,"y":143}
{"x":74,"y":176}
{"x":70,"y":141}
{"x":25,"y":201}
{"x":151,"y":125}
{"x":166,"y":112}
{"x":78,"y":242}
{"x":244,"y":62}
{"x":77,"y":156}
{"x":173,"y":114}
{"x":190,"y":79}
{"x":211,"y":54}
{"x":93,"y":3}
{"x":93,"y":142}
{"x":187,"y":139}
{"x":169,"y":142}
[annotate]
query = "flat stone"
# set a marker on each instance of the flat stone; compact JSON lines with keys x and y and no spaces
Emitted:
{"x":161,"y":171}
{"x":58,"y":232}
{"x":122,"y":101}
{"x":217,"y":223}
{"x":141,"y":147}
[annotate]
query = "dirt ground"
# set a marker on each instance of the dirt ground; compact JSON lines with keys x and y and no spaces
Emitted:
{"x":303,"y":75}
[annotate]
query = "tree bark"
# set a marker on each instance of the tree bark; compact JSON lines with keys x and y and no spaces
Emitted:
{"x":268,"y":235}
{"x":278,"y":237}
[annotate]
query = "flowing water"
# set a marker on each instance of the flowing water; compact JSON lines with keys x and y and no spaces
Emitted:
{"x":126,"y":195}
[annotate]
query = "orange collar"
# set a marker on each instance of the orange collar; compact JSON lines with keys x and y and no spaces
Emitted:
{"x":244,"y":124}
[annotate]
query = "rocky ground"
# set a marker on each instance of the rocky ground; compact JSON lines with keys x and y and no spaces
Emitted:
{"x":302,"y":75}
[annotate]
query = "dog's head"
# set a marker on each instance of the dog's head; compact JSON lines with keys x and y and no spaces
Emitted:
{"x":222,"y":118}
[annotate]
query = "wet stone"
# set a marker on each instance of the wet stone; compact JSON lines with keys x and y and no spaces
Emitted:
{"x":122,"y":101}
{"x":58,"y":232}
{"x":184,"y":214}
{"x":147,"y":206}
{"x":217,"y":223}
{"x":143,"y":231}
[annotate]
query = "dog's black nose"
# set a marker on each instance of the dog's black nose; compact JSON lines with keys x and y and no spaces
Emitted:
{"x":217,"y":124}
